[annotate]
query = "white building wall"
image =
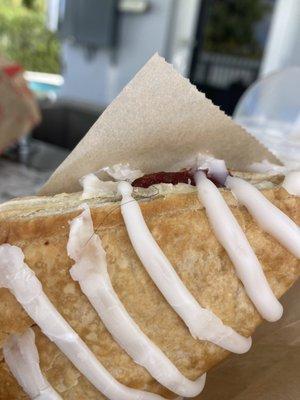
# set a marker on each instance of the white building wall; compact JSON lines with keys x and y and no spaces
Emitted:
{"x":283,"y":46}
{"x":167,"y":28}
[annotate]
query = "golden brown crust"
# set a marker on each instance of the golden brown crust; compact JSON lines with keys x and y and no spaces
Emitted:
{"x":180,"y":226}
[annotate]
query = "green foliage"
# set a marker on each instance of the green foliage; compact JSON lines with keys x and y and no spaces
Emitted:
{"x":25,"y":38}
{"x":28,"y":3}
{"x":231,"y":27}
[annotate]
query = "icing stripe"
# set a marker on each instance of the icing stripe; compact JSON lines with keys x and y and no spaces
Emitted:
{"x":90,"y":270}
{"x":291,"y":183}
{"x":232,"y":238}
{"x":269,"y":218}
{"x":16,"y":276}
{"x":202,"y":323}
{"x":21,"y":356}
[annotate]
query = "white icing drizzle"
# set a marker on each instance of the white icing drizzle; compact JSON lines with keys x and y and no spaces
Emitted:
{"x":90,"y":270}
{"x":21,"y":356}
{"x":232,"y":238}
{"x":94,"y":187}
{"x":265,"y":167}
{"x":291,"y":183}
{"x":202,"y":323}
{"x":269,"y":217}
{"x":123,"y":172}
{"x":16,"y":276}
{"x":216,"y":168}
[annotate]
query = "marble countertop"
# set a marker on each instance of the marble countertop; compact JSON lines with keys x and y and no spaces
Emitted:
{"x":26,"y":174}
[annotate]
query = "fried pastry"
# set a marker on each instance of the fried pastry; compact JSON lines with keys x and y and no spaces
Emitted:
{"x":184,"y":231}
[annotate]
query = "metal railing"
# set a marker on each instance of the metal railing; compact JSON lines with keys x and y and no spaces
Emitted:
{"x":221,"y":70}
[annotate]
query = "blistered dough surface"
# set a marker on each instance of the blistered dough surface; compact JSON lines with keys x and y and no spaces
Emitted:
{"x":180,"y":226}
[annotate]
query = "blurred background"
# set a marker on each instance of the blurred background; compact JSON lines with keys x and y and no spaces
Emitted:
{"x":78,"y":55}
